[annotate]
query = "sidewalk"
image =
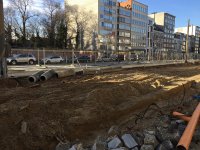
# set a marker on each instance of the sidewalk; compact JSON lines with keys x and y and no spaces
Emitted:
{"x":26,"y":70}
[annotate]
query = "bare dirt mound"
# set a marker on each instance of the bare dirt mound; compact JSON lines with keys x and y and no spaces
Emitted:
{"x":74,"y":108}
{"x":8,"y":83}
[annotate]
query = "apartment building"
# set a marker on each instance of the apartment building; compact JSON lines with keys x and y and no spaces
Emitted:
{"x":122,"y":25}
{"x":107,"y":25}
{"x":168,"y":22}
{"x":132,"y":25}
{"x":180,"y":42}
{"x":155,"y":36}
{"x":194,"y":33}
{"x":139,"y":27}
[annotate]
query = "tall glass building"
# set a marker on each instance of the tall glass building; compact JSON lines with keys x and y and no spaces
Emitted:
{"x":122,"y":24}
{"x":107,"y":24}
{"x":125,"y":22}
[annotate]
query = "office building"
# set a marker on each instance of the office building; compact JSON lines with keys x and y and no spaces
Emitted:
{"x":155,"y":36}
{"x":107,"y":25}
{"x":180,"y":42}
{"x":132,"y":25}
{"x":139,"y":26}
{"x":194,"y":33}
{"x":168,"y":22}
{"x":122,"y":25}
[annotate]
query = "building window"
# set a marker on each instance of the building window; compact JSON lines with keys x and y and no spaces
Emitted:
{"x":124,"y":12}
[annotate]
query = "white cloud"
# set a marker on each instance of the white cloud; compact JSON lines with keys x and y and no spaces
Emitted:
{"x":37,"y":5}
{"x":5,"y":3}
{"x":87,"y":4}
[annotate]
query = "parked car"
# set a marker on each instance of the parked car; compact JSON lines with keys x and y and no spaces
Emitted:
{"x":81,"y":59}
{"x":105,"y":59}
{"x":53,"y":59}
{"x":21,"y":58}
{"x":119,"y":58}
{"x":84,"y":59}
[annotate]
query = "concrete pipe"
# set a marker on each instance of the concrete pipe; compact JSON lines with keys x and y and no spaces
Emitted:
{"x":79,"y":72}
{"x":48,"y":75}
{"x":91,"y":71}
{"x":110,"y":69}
{"x":35,"y":77}
{"x":65,"y":73}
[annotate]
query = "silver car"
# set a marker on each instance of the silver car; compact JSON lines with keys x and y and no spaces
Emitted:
{"x":22,"y":58}
{"x":52,"y":59}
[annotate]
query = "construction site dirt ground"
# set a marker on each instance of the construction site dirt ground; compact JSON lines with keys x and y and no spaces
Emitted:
{"x":82,"y":107}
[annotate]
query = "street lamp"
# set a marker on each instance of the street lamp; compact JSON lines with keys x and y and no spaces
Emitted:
{"x":73,"y":48}
{"x":187,"y":42}
{"x":106,"y":41}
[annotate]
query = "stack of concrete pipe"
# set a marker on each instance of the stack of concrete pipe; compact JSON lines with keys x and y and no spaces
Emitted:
{"x":91,"y":71}
{"x":35,"y":77}
{"x":48,"y":75}
{"x":65,"y":73}
{"x":44,"y":76}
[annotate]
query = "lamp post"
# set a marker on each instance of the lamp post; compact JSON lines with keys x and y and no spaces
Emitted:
{"x":187,"y":42}
{"x":154,"y":17}
{"x":106,"y":47}
{"x":73,"y":55}
{"x":3,"y":65}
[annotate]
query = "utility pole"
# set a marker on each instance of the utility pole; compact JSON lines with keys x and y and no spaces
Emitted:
{"x":187,"y":42}
{"x":3,"y":64}
{"x":149,"y":41}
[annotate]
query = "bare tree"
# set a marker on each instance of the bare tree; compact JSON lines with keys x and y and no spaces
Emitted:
{"x":70,"y":29}
{"x":80,"y":25}
{"x":24,"y":13}
{"x":81,"y":19}
{"x":35,"y":32}
{"x":9,"y":15}
{"x":91,"y":30}
{"x":50,"y":19}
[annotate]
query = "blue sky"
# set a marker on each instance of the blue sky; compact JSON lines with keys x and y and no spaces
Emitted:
{"x":182,"y":9}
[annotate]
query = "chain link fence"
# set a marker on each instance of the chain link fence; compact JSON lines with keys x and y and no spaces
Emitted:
{"x":126,"y":56}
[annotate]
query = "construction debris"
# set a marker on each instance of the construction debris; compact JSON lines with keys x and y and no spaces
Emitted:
{"x":129,"y":141}
{"x":63,"y":146}
{"x":99,"y":144}
{"x":147,"y":147}
{"x":24,"y":127}
{"x":150,"y":140}
{"x":114,"y":130}
{"x":115,"y":143}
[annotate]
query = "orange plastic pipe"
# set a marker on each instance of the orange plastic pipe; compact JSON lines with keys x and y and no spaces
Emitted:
{"x":186,"y":138}
{"x":182,"y":116}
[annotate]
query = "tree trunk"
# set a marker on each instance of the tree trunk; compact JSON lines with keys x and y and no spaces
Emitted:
{"x":24,"y":33}
{"x":1,"y":30}
{"x":3,"y":65}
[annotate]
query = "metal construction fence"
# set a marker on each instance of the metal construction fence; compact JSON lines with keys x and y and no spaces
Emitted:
{"x":124,"y":55}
